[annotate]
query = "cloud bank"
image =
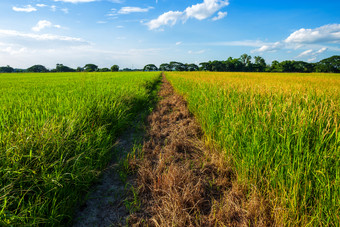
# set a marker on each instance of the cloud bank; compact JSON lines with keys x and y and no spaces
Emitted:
{"x":317,"y":40}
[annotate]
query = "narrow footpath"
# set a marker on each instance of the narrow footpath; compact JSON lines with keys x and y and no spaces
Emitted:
{"x":183,"y":183}
{"x":178,"y":180}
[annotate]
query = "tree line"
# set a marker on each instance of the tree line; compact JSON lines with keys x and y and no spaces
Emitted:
{"x":245,"y":64}
{"x":60,"y":68}
{"x":242,"y":64}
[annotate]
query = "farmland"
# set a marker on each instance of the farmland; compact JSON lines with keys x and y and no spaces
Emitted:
{"x":282,"y":132}
{"x":57,"y":131}
{"x":278,"y":131}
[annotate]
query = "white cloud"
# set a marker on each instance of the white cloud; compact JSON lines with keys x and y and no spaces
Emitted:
{"x":53,"y":8}
{"x":119,"y":26}
{"x":75,"y":1}
{"x":196,"y":52}
{"x":220,"y":15}
{"x":311,"y":59}
{"x":12,"y":49}
{"x":129,"y":9}
{"x":206,"y":9}
{"x":324,"y":34}
{"x":199,"y":11}
{"x":269,"y":47}
{"x":178,"y":43}
{"x":41,"y":5}
{"x":311,"y":52}
{"x":44,"y":24}
{"x":168,"y":18}
{"x":26,"y":9}
{"x":305,"y":53}
{"x":39,"y":37}
{"x":321,"y":50}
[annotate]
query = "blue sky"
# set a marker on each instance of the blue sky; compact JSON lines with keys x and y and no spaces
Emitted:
{"x":135,"y":33}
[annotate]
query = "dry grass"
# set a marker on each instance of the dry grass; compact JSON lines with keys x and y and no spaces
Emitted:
{"x":182,"y":183}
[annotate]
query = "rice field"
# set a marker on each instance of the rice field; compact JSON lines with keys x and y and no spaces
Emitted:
{"x":57,"y":131}
{"x":282,"y":132}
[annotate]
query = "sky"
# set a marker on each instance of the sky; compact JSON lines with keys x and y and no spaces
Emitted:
{"x":132,"y":34}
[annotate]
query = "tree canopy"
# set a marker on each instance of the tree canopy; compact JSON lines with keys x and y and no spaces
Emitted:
{"x":37,"y":69}
{"x":150,"y":67}
{"x":90,"y":68}
{"x":6,"y":69}
{"x":114,"y":68}
{"x":63,"y":68}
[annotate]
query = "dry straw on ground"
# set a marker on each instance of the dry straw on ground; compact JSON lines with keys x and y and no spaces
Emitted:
{"x":182,"y":183}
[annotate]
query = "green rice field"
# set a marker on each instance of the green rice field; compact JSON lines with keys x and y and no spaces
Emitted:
{"x":57,"y":131}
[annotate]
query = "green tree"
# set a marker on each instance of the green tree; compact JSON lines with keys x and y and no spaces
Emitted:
{"x":275,"y":66}
{"x":192,"y":67}
{"x":177,"y":66}
{"x":114,"y":68}
{"x":164,"y":67}
{"x":331,"y":64}
{"x":63,"y":68}
{"x":104,"y":70}
{"x":150,"y":67}
{"x":90,"y":68}
{"x":6,"y":69}
{"x":246,"y":62}
{"x":218,"y":66}
{"x":260,"y":64}
{"x":37,"y":69}
{"x":205,"y":66}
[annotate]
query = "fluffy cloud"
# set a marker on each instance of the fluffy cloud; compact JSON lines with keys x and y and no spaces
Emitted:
{"x":129,"y":9}
{"x":324,"y":34}
{"x":206,"y":9}
{"x":44,"y":24}
{"x":199,"y":11}
{"x":305,"y":53}
{"x":168,"y":18}
{"x":311,"y":52}
{"x":269,"y":47}
{"x":321,"y":50}
{"x":41,"y":5}
{"x":220,"y":16}
{"x":26,"y":9}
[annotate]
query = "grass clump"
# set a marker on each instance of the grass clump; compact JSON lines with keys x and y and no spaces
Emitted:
{"x":57,"y":132}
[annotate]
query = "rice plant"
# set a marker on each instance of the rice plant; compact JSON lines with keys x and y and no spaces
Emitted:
{"x":282,"y":131}
{"x":57,"y":131}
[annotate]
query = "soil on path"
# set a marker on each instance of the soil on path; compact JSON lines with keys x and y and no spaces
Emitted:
{"x":105,"y":204}
{"x":183,"y":183}
{"x":180,"y":181}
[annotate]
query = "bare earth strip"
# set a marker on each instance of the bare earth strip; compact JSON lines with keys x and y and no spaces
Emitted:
{"x":105,"y":204}
{"x":183,"y":183}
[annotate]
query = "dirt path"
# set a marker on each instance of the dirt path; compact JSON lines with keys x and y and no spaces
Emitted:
{"x":105,"y":204}
{"x":182,"y":183}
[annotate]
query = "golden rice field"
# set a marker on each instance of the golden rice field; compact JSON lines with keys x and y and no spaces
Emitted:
{"x":282,"y":132}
